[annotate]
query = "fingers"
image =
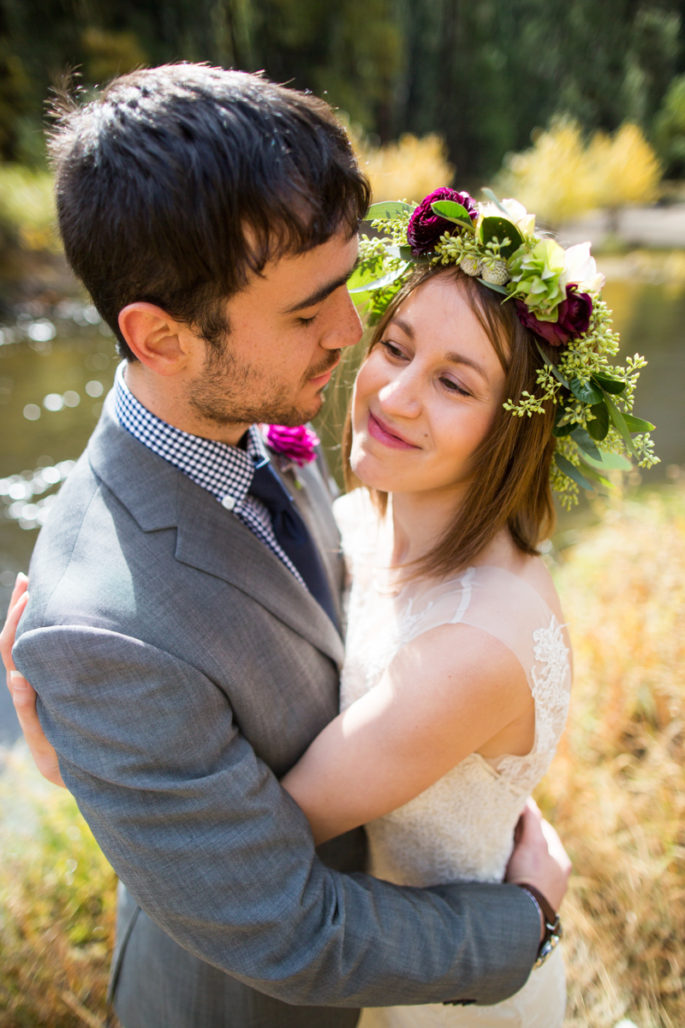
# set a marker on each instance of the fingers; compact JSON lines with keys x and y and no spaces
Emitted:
{"x":21,"y":584}
{"x":24,"y":699}
{"x":18,"y":601}
{"x":556,"y":848}
{"x":539,"y":857}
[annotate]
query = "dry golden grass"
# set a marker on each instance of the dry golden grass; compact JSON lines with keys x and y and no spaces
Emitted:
{"x":616,"y":792}
{"x":57,"y":907}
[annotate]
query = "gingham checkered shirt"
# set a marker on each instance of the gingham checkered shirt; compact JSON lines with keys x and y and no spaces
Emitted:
{"x":224,"y":471}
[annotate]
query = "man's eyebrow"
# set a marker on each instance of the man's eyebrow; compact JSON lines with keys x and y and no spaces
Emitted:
{"x":322,"y":292}
{"x":452,"y":356}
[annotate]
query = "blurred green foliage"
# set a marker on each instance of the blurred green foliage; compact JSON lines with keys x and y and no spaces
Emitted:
{"x":669,"y":131}
{"x":480,"y":75}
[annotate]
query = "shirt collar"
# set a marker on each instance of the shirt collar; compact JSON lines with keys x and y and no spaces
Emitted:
{"x":223,"y":470}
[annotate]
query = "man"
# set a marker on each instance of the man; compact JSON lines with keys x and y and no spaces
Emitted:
{"x":183,"y":654}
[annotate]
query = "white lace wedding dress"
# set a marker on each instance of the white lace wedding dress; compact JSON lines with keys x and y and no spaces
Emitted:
{"x":462,"y":826}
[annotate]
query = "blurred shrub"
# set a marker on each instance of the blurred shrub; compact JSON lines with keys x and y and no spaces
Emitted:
{"x":561,"y":176}
{"x":624,"y":168}
{"x":669,"y":129}
{"x":27,"y":208}
{"x":408,"y":169}
{"x":57,"y":906}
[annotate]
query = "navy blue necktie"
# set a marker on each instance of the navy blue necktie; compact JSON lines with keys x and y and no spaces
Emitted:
{"x":292,"y":534}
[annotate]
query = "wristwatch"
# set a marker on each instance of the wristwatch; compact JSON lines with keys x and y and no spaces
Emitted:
{"x":552,"y":923}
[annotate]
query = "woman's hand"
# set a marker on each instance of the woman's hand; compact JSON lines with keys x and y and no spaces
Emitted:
{"x":23,"y":695}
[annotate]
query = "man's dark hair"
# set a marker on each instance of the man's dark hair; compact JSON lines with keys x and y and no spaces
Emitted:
{"x":177,"y":182}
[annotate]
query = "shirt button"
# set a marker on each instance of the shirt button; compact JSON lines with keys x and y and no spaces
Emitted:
{"x":228,"y":503}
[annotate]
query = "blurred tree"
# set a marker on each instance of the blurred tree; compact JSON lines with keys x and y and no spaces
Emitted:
{"x":481,"y":75}
{"x":669,"y":129}
{"x":350,"y":52}
{"x":110,"y":53}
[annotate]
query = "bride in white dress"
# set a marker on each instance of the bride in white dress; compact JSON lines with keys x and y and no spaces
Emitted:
{"x":456,"y":682}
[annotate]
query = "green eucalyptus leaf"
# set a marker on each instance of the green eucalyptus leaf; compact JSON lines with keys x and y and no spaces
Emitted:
{"x":592,"y":473}
{"x":637,"y":424}
{"x":500,"y":228}
{"x":357,"y":283}
{"x":608,"y":461}
{"x":389,"y":210}
{"x":495,"y":288}
{"x":586,"y":392}
{"x":495,"y":199}
{"x":608,"y":382}
{"x":619,"y":422}
{"x":586,"y":443}
{"x":572,"y":472}
{"x":452,"y":211}
{"x":555,"y":371}
{"x":599,"y":425}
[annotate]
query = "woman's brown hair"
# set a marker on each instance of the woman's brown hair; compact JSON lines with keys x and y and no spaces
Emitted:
{"x":510,"y":483}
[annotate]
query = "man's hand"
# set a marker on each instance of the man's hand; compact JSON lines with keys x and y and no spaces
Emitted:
{"x":539,"y":857}
{"x":23,"y":696}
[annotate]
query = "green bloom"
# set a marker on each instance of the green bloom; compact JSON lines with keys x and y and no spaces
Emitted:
{"x":536,"y":274}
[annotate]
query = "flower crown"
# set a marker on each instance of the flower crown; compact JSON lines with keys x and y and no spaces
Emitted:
{"x":556,"y":294}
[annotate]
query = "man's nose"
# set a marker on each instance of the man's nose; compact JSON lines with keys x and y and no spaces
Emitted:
{"x":346,"y":329}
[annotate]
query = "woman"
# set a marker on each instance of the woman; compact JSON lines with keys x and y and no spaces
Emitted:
{"x":457,"y":672}
{"x":456,"y":682}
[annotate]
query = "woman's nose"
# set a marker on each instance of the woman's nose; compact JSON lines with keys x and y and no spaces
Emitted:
{"x":400,"y":396}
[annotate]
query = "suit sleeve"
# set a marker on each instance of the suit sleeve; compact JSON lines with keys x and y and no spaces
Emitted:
{"x":222,"y":859}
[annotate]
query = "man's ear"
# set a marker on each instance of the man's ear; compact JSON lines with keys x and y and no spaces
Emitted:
{"x":158,"y":341}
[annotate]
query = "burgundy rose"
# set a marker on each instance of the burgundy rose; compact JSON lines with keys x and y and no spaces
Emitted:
{"x":425,"y":227}
{"x":298,"y":444}
{"x":574,"y":318}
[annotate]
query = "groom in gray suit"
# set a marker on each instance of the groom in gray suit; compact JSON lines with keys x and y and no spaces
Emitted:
{"x":182,"y":658}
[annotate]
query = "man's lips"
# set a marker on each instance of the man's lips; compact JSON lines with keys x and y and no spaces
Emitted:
{"x":324,"y":376}
{"x":388,"y":436}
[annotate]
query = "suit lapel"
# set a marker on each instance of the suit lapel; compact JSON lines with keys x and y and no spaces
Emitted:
{"x":209,"y":538}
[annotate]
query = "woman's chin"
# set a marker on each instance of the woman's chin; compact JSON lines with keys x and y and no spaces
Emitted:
{"x":370,"y":472}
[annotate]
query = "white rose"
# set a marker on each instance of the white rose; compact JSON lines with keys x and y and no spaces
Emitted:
{"x":581,"y":268}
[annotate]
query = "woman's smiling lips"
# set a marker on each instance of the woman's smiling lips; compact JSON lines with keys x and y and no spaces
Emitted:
{"x":380,"y":431}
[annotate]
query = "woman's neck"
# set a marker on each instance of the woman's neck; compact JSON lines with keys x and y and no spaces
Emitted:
{"x":417,"y":522}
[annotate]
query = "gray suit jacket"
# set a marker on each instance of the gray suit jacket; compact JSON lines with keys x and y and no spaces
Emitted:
{"x":181,"y":669}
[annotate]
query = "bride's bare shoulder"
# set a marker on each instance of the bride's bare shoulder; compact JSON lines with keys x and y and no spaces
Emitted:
{"x":532,"y":570}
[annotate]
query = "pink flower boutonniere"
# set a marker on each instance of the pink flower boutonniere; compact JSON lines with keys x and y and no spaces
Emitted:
{"x":297,"y":444}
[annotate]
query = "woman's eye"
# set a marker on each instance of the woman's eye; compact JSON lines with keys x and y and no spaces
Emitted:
{"x":306,"y":321}
{"x":391,"y":348}
{"x":454,"y":387}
